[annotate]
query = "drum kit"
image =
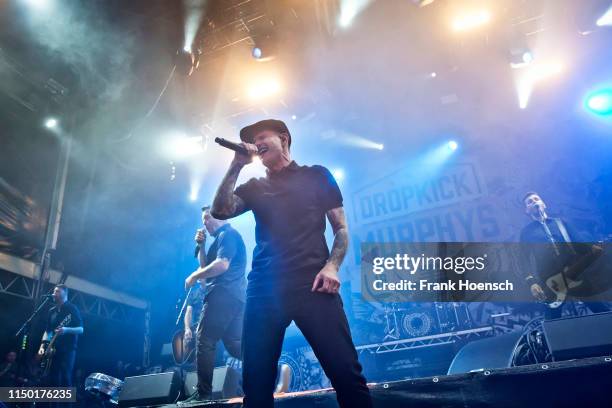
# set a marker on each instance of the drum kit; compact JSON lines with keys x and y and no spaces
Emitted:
{"x":411,"y":320}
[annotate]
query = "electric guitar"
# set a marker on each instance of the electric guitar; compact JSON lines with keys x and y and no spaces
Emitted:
{"x":559,"y":286}
{"x":47,"y":357}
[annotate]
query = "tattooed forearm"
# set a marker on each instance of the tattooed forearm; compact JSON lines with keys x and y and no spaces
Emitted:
{"x":337,"y":219}
{"x":339,"y":248}
{"x":226,"y":204}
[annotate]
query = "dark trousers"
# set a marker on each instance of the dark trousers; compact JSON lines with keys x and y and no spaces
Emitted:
{"x":60,"y":374}
{"x":321,"y":319}
{"x":221,"y":319}
{"x":594,"y":307}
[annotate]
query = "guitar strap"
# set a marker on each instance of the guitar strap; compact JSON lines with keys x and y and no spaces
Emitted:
{"x":564,"y":234}
{"x":550,"y":237}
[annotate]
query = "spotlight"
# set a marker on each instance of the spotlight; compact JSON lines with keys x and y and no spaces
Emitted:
{"x":422,"y":3}
{"x":338,"y":174}
{"x":379,"y":146}
{"x":472,"y":20}
{"x":600,"y":102}
{"x":452,"y":145}
{"x":349,"y":9}
{"x":433,"y":74}
{"x":264,"y":89}
{"x":527,"y":79}
{"x":186,"y":62}
{"x":39,"y":4}
{"x":195,"y":190}
{"x":180,"y":146}
{"x":543,"y":71}
{"x":605,"y":19}
{"x":294,"y":117}
{"x":264,"y":47}
{"x":257,"y":53}
{"x":51,"y":123}
{"x":520,"y":57}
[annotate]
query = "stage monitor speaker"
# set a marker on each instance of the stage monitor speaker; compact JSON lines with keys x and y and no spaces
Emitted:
{"x":579,"y":337}
{"x":226,"y":383}
{"x":151,"y":389}
{"x":489,"y":353}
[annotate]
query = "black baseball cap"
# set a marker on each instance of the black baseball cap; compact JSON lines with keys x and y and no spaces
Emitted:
{"x":247,"y":133}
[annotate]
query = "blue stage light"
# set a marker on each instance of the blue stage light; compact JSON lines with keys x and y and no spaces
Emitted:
{"x":600,"y":102}
{"x":453,"y":145}
{"x":338,"y":175}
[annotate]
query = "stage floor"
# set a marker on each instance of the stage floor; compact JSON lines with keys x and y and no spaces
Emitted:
{"x":575,"y":383}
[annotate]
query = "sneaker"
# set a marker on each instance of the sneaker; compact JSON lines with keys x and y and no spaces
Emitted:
{"x":195,"y":398}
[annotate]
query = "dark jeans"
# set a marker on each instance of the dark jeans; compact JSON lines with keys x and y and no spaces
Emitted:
{"x":321,"y":319}
{"x":60,"y":374}
{"x":221,"y":319}
{"x":595,"y":307}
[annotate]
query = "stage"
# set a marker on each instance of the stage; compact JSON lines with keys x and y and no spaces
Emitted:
{"x":583,"y":382}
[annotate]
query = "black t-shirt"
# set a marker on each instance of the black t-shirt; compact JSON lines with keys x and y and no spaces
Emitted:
{"x":289,"y":208}
{"x":65,"y":342}
{"x":228,"y":244}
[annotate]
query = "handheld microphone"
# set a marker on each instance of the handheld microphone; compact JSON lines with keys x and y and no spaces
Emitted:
{"x":48,"y":296}
{"x":232,"y":146}
{"x":198,"y":246}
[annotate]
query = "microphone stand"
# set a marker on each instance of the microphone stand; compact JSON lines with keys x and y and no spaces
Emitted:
{"x":180,"y":315}
{"x":24,"y":332}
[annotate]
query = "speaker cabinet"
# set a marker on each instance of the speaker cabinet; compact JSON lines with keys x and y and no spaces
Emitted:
{"x":225,"y":384}
{"x":151,"y":389}
{"x":579,"y":337}
{"x":489,"y":353}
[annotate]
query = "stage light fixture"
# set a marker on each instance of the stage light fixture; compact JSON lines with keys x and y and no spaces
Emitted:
{"x":257,"y":52}
{"x":453,"y":145}
{"x":186,"y":62}
{"x":379,"y":146}
{"x":264,"y":47}
{"x":520,"y":57}
{"x":471,"y":20}
{"x":51,"y":123}
{"x":600,"y":102}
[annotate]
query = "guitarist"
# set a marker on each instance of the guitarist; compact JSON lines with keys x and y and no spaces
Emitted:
{"x":565,"y":250}
{"x":65,"y":345}
{"x":222,"y":267}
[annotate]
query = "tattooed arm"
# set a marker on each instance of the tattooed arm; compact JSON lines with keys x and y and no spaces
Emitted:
{"x":226,"y":204}
{"x":327,"y":279}
{"x":337,"y":219}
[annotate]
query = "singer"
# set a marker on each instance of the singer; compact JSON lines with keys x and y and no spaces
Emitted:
{"x":293,"y":276}
{"x":567,"y":248}
{"x":222,"y":300}
{"x":65,"y":324}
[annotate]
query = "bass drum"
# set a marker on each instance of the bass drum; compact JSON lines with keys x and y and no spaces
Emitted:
{"x":418,"y":323}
